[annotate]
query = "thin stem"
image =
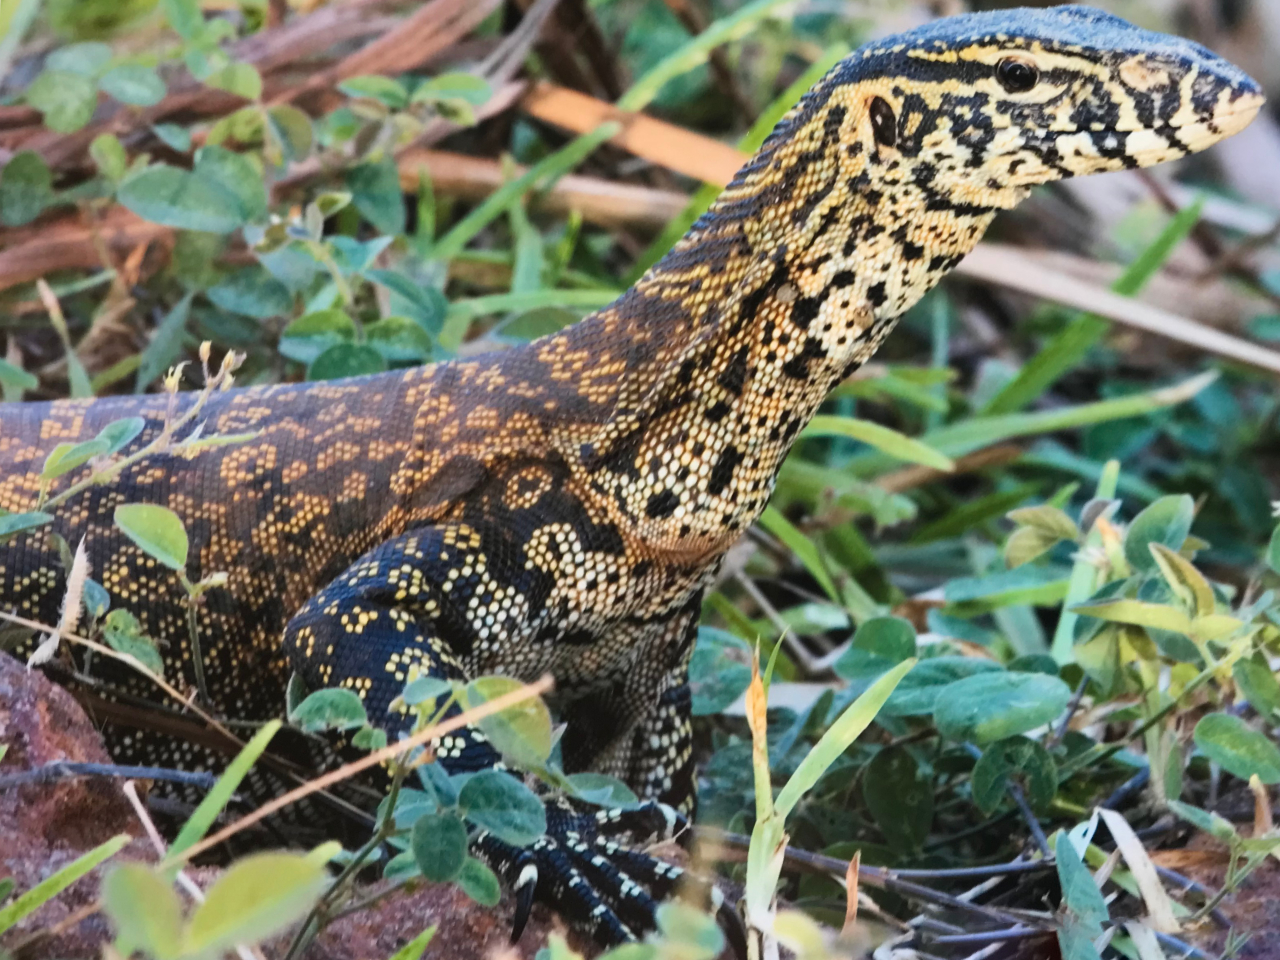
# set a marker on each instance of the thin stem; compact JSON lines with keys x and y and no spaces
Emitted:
{"x":197,"y":656}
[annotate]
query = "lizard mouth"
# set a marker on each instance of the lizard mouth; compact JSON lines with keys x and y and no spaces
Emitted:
{"x":1154,"y":144}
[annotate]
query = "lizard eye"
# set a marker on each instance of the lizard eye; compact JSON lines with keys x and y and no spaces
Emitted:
{"x":1016,"y":74}
{"x":884,"y":125}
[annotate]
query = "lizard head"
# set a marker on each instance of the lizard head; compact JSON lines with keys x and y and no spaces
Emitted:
{"x":977,"y":109}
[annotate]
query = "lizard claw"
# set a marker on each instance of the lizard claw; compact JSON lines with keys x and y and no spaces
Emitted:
{"x":525,"y":888}
{"x":589,"y":869}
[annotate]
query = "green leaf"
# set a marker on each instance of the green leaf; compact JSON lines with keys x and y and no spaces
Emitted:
{"x":399,"y":340}
{"x":479,"y":883}
{"x":165,"y":346}
{"x":174,"y":137}
{"x":26,"y":190}
{"x":1079,"y":891}
{"x":847,"y":727}
{"x":426,"y":305}
{"x":375,"y":191}
{"x":66,"y":99}
{"x":1254,"y":677}
{"x":11,"y":523}
{"x":313,"y":333}
{"x":917,"y":694}
{"x":14,"y":377}
{"x":439,"y":845}
{"x":86,"y":59}
{"x":1211,"y":823}
{"x":1273,"y":550}
{"x":1186,"y":582}
{"x":292,"y":129}
{"x":145,"y":910}
{"x":383,"y":89}
{"x":992,"y":706}
{"x":156,"y":530}
{"x":1162,"y":616}
{"x":1167,"y":522}
{"x":47,"y":889}
{"x":888,"y":441}
{"x":133,"y":84}
{"x":8,"y":883}
{"x":1043,"y":585}
{"x":1027,"y":543}
{"x":1051,"y":520}
{"x":206,"y":813}
{"x":334,"y":708}
{"x":496,"y":801}
{"x":241,"y":79}
{"x":414,"y":949}
{"x":252,"y":292}
{"x":118,"y":434}
{"x":123,"y":633}
{"x":1074,"y":940}
{"x":602,"y":789}
{"x":175,"y":198}
{"x":719,"y":670}
{"x":424,"y":689}
{"x":878,"y":644}
{"x":237,"y":176}
{"x":346,"y":360}
{"x":900,"y":798}
{"x":66,"y":457}
{"x":521,"y":732}
{"x":1238,"y":748}
{"x":184,"y":16}
{"x":1006,"y":759}
{"x":254,"y":898}
{"x":109,"y":155}
{"x":466,"y":87}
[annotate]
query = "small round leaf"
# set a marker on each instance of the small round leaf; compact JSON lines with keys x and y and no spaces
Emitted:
{"x":1015,"y":758}
{"x":992,"y":706}
{"x":496,"y":801}
{"x":439,"y":845}
{"x":156,"y":530}
{"x":1238,"y":748}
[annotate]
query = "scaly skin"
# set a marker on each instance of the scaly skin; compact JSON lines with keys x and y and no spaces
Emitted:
{"x":560,"y":507}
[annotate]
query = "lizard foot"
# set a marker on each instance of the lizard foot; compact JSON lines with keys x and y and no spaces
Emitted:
{"x":589,"y":868}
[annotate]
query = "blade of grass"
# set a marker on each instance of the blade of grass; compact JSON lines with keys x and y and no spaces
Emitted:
{"x":802,"y":547}
{"x":540,"y":176}
{"x":891,"y":442}
{"x":703,"y":197}
{"x":47,"y":889}
{"x":695,"y":52}
{"x":1068,"y":348}
{"x":1084,"y":575}
{"x":847,"y":728}
{"x":958,"y":439}
{"x":462,"y":312}
{"x":206,"y":813}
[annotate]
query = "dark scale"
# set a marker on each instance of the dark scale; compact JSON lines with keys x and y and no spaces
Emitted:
{"x":562,"y":506}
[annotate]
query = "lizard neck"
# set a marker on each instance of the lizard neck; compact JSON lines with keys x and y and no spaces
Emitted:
{"x":722,"y":352}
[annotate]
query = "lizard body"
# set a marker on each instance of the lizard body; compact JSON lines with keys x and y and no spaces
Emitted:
{"x":561,"y":506}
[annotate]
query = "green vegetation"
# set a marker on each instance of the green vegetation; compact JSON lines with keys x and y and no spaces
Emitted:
{"x":1050,"y":577}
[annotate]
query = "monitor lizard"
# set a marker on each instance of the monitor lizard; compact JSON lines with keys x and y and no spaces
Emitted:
{"x":562,"y":506}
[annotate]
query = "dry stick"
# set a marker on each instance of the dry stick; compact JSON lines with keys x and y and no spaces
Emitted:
{"x":132,"y":662}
